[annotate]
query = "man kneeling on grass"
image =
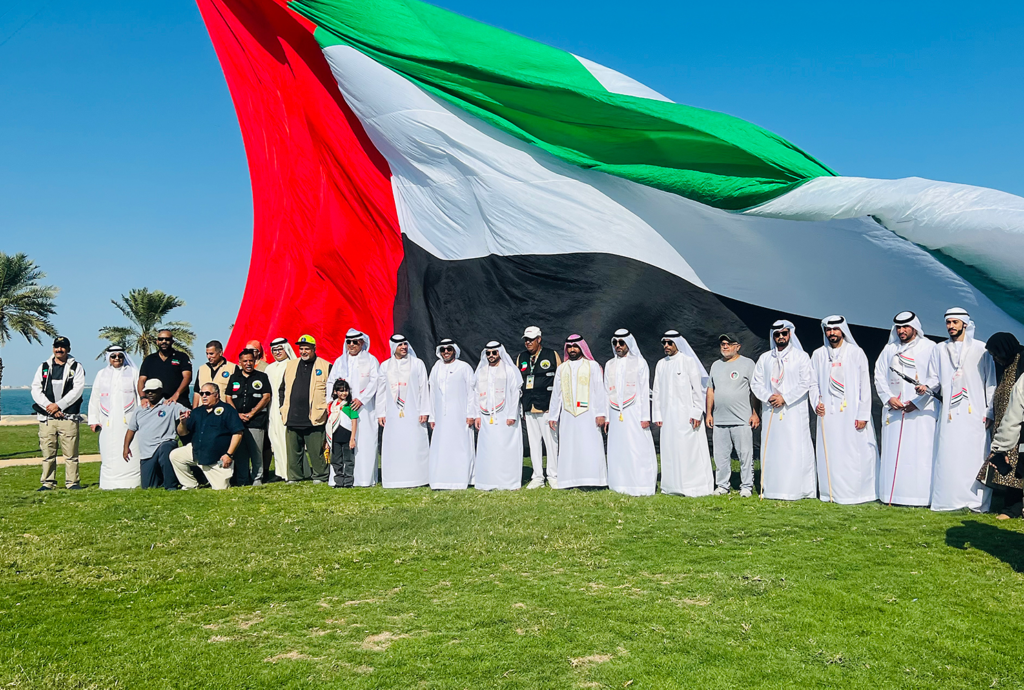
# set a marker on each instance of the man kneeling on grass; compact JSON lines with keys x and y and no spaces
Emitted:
{"x":154,"y":427}
{"x":216,"y":432}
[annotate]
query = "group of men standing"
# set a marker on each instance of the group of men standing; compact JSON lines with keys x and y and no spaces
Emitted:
{"x":458,"y":426}
{"x":938,"y":408}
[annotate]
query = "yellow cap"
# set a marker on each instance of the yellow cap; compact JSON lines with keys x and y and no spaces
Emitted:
{"x":306,"y":340}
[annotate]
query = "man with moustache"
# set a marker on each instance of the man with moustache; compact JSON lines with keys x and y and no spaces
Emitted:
{"x":537,"y":366}
{"x":452,"y":415}
{"x":578,"y":409}
{"x":304,"y":412}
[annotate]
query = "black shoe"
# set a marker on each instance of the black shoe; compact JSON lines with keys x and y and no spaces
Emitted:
{"x":74,"y":487}
{"x":44,"y":487}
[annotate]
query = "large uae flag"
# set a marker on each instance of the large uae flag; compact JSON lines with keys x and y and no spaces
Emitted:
{"x":420,"y":172}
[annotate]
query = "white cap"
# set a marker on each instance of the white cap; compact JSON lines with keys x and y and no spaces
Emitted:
{"x":531,"y":333}
{"x":152,"y":385}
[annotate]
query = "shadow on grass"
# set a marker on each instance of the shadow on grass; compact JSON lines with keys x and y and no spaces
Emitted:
{"x":1004,"y":544}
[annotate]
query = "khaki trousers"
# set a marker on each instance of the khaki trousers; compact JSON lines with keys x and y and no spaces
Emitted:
{"x":65,"y":432}
{"x":182,"y":462}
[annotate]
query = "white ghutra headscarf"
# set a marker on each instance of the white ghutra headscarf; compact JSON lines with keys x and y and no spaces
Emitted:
{"x":684,"y":348}
{"x":836,"y":375}
{"x":490,"y":399}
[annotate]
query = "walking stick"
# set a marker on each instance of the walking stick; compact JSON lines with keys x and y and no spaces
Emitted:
{"x":764,"y":450}
{"x":828,"y":472}
{"x":897,"y":466}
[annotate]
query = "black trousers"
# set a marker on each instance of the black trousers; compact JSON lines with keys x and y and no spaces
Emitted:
{"x":158,"y":469}
{"x":343,"y":458}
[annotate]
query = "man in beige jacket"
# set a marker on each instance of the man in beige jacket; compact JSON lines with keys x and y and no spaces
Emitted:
{"x":304,"y":412}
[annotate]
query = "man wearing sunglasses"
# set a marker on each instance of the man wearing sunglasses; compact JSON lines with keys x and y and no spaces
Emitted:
{"x":782,"y":380}
{"x":499,"y":450}
{"x":451,"y":417}
{"x":361,"y":370}
{"x":537,"y":365}
{"x":678,"y":408}
{"x":216,"y":431}
{"x":172,"y":367}
{"x":632,"y":462}
{"x":403,"y":407}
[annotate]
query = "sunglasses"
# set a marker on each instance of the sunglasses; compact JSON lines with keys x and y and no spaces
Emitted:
{"x":492,"y":352}
{"x":778,"y":333}
{"x":164,"y":340}
{"x":616,"y":343}
{"x":667,"y":342}
{"x":203,"y":394}
{"x":447,"y":349}
{"x":116,"y":356}
{"x":353,"y":340}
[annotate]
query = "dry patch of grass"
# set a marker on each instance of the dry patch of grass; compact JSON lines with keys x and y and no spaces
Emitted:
{"x":380,"y":642}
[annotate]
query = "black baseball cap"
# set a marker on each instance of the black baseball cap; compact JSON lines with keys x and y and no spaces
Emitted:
{"x":727,"y":338}
{"x":61,"y":341}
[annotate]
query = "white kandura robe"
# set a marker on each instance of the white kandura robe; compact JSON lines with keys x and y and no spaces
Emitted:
{"x":852,"y":454}
{"x":787,"y":455}
{"x":113,"y":401}
{"x":499,"y":449}
{"x":914,"y":467}
{"x":963,"y":441}
{"x":678,"y":398}
{"x":451,"y":444}
{"x":581,"y":458}
{"x":405,"y":446}
{"x":363,"y":384}
{"x":632,"y":460}
{"x":275,"y":426}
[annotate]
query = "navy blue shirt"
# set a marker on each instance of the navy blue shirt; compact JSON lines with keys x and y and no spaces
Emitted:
{"x":212,"y":429}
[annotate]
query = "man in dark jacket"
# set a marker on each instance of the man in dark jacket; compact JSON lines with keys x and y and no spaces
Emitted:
{"x":537,"y":364}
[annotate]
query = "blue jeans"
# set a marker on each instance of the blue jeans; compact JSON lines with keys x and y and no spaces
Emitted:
{"x":159,"y":468}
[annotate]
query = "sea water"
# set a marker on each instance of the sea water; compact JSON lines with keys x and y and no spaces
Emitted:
{"x":15,"y":401}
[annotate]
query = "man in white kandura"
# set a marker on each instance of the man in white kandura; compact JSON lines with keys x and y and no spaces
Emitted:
{"x":908,"y":419}
{"x":782,"y":379}
{"x":965,"y":373}
{"x":451,"y":418}
{"x":680,"y":380}
{"x":114,"y":401}
{"x":403,"y":408}
{"x":632,"y":461}
{"x":579,"y":406}
{"x":499,"y":447}
{"x":841,"y":396}
{"x":282,"y":351}
{"x":361,"y":370}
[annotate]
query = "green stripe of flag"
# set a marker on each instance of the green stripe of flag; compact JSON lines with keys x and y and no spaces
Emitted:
{"x":548,"y":98}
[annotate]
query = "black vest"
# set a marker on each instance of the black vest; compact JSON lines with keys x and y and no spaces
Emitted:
{"x":69,"y":382}
{"x":538,"y":397}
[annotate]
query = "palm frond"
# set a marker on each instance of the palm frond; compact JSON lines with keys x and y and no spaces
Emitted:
{"x":25,"y":305}
{"x":146,"y":309}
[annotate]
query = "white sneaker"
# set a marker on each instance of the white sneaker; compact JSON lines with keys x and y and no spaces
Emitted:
{"x":721,"y":492}
{"x":553,"y":482}
{"x":745,"y":493}
{"x":535,"y":483}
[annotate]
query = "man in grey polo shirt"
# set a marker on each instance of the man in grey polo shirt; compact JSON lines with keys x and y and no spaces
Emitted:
{"x":155,"y":428}
{"x":732,"y":414}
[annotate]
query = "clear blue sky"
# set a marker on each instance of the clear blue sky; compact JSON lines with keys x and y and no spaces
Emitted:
{"x":121,"y":164}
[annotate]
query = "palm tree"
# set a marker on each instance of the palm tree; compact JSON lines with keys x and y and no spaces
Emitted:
{"x":25,"y":305}
{"x":146,"y":310}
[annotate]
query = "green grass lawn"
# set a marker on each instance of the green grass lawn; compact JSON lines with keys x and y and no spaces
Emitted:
{"x":305,"y":586}
{"x":23,"y":442}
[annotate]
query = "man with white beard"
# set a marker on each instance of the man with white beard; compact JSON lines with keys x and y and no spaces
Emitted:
{"x":361,"y":370}
{"x":781,"y":381}
{"x":908,"y":419}
{"x":965,"y":373}
{"x":499,"y":448}
{"x":632,"y":461}
{"x":680,"y":380}
{"x":579,"y":405}
{"x":841,"y":395}
{"x":451,"y":418}
{"x":403,"y":408}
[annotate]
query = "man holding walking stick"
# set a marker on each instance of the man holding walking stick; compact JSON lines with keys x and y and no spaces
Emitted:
{"x":908,"y":418}
{"x":841,"y":396}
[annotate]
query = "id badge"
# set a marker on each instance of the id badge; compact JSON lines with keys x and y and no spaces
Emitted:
{"x":529,"y":382}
